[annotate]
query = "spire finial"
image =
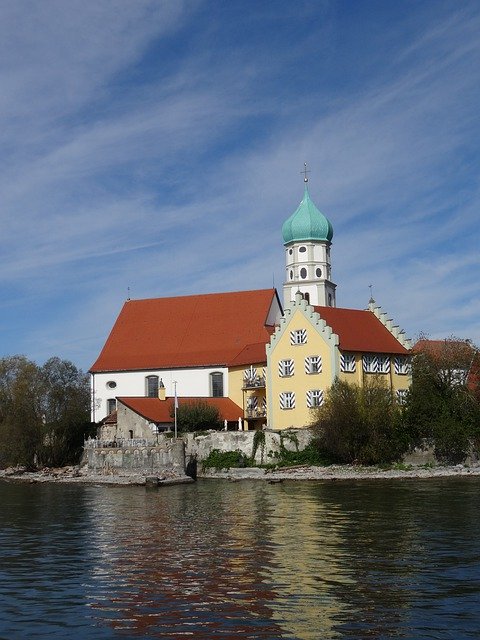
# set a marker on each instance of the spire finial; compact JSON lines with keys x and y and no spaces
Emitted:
{"x":305,"y":171}
{"x":371,"y":301}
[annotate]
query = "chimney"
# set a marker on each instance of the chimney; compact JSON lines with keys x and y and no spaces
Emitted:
{"x":161,"y":390}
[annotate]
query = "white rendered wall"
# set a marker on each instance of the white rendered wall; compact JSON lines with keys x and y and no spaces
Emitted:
{"x":190,"y":382}
{"x":316,"y":255}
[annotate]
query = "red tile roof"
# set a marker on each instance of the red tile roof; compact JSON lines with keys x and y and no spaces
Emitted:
{"x":188,"y":331}
{"x":449,"y":348}
{"x":360,"y":331}
{"x":157,"y":410}
{"x":456,"y":354}
{"x":251,"y":354}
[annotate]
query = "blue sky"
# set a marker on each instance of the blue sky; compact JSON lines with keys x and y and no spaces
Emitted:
{"x":157,"y":146}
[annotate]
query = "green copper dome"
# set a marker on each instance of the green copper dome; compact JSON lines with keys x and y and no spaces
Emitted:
{"x":307,"y":223}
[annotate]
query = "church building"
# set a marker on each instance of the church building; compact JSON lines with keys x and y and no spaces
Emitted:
{"x":273,"y":362}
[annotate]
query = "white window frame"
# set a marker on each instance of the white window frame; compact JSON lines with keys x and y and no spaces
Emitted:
{"x":348,"y":363}
{"x":313,"y":365}
{"x":370,"y":363}
{"x":315,"y":398}
{"x":287,"y":400}
{"x":403,"y":366}
{"x":298,"y":336}
{"x":286,"y":368}
{"x":383,"y":364}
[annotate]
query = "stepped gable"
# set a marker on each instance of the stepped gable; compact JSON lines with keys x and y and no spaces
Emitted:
{"x":186,"y":331}
{"x":361,"y":331}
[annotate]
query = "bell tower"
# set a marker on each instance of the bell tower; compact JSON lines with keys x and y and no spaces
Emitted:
{"x":307,"y":237}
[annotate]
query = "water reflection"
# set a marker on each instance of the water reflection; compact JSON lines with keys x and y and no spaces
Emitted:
{"x":251,"y":560}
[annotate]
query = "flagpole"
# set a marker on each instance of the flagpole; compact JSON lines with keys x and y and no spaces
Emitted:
{"x":176,"y":407}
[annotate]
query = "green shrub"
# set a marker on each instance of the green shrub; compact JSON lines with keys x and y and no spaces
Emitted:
{"x":197,"y":415}
{"x":219,"y":460}
{"x":311,"y":455}
{"x":360,"y":424}
{"x":441,"y":404}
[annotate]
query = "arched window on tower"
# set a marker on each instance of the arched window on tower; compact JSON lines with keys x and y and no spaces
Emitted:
{"x":216,"y":384}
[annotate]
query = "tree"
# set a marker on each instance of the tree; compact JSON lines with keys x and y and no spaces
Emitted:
{"x":66,"y":397}
{"x":197,"y":415}
{"x":44,"y":411}
{"x":443,"y":401}
{"x":360,"y":424}
{"x":20,"y":410}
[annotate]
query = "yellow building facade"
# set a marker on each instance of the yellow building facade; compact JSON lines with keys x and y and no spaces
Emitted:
{"x":308,"y":352}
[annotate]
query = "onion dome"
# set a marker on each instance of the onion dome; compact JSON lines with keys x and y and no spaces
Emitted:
{"x":307,"y":223}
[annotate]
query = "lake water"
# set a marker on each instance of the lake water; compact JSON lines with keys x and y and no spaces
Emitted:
{"x":296,"y":560}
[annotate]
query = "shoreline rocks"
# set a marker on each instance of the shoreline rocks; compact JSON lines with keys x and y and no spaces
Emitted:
{"x":333,"y":472}
{"x":86,"y":476}
{"x":343,"y":472}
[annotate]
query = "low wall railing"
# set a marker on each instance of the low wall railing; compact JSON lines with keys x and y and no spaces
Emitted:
{"x":119,"y":443}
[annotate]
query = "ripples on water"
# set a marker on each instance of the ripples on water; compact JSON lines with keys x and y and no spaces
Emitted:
{"x":382,"y":559}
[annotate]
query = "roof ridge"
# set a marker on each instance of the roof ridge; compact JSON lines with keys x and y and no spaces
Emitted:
{"x":201,"y":295}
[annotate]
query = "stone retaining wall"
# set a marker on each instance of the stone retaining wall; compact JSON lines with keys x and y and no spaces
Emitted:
{"x":198,"y":446}
{"x":166,"y":457}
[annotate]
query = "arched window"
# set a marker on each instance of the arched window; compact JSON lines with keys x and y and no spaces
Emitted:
{"x":111,"y":405}
{"x":216,"y":384}
{"x":151,"y":386}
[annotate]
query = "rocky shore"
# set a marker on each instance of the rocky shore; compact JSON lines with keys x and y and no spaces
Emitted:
{"x":83,"y":475}
{"x":345,"y":472}
{"x":303,"y":472}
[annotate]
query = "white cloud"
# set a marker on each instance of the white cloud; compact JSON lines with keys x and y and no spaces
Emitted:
{"x":189,"y":173}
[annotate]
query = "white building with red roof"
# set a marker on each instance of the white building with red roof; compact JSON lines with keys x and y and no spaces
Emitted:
{"x":201,"y":345}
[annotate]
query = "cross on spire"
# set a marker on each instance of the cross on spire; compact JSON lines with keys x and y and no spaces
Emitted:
{"x":371,"y":301}
{"x":305,"y":171}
